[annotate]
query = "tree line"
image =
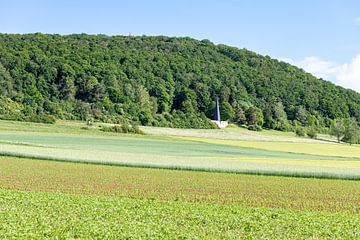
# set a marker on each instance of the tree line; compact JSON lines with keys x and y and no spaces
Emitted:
{"x":161,"y":81}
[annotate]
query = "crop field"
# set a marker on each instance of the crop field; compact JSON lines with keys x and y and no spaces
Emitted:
{"x":317,"y":148}
{"x":141,"y":186}
{"x":44,"y":215}
{"x":177,"y":152}
{"x":190,"y":186}
{"x":47,"y":199}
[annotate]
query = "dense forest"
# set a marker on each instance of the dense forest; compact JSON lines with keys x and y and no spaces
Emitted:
{"x":160,"y":81}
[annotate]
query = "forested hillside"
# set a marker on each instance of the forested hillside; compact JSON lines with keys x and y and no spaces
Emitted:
{"x":160,"y":81}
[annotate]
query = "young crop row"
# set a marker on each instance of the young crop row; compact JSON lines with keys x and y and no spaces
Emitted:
{"x":347,"y":169}
{"x":189,"y":186}
{"x":43,"y":215}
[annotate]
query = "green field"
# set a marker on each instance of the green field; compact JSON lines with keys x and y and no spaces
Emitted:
{"x":53,"y":216}
{"x":47,"y":199}
{"x":66,"y":199}
{"x":178,"y":152}
{"x":171,"y":185}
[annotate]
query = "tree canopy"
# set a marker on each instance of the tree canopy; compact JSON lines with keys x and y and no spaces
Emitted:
{"x":160,"y":81}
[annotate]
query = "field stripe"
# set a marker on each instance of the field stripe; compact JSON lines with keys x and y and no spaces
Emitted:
{"x":215,"y":166}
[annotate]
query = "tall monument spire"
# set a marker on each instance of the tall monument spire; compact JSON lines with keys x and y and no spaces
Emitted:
{"x":217,"y":118}
{"x":217,"y":110}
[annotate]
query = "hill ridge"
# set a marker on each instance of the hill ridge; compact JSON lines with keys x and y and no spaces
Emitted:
{"x":160,"y":81}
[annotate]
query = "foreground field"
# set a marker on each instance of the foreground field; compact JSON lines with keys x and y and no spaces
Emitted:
{"x":43,"y":215}
{"x":60,"y":200}
{"x":74,"y":142}
{"x":189,"y":186}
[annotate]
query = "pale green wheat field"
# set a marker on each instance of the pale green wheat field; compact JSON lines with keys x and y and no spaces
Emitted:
{"x":71,"y":142}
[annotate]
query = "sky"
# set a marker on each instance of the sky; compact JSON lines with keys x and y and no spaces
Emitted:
{"x":320,"y":36}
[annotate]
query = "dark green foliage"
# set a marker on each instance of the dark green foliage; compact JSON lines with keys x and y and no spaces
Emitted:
{"x":254,"y":116}
{"x":5,"y":81}
{"x":275,"y":116}
{"x":301,"y":115}
{"x":160,"y":81}
{"x":38,"y":118}
{"x":338,"y":129}
{"x":299,"y":131}
{"x":352,"y":131}
{"x":254,"y":128}
{"x":312,"y":133}
{"x":346,"y":130}
{"x":186,"y":120}
{"x":239,"y":116}
{"x":226,"y":111}
{"x":123,"y":128}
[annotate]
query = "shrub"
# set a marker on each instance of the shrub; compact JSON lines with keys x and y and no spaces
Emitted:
{"x":38,"y":118}
{"x":191,"y":120}
{"x":300,"y":132}
{"x":312,"y":133}
{"x":41,"y":118}
{"x":254,"y":128}
{"x":124,"y":128}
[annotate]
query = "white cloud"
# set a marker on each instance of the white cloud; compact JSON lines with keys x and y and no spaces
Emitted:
{"x":349,"y":75}
{"x":346,"y":74}
{"x":320,"y":68}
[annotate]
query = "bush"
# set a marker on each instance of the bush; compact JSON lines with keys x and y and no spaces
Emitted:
{"x":300,"y":132}
{"x":254,"y":128}
{"x":312,"y":133}
{"x":191,"y":120}
{"x":39,"y":118}
{"x":124,"y":128}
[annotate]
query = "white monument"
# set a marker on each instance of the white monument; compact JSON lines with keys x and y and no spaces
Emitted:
{"x":217,"y":118}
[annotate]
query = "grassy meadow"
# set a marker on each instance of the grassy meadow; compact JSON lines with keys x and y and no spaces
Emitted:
{"x":140,"y":186}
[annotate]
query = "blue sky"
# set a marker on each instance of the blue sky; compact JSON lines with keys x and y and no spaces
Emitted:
{"x":321,"y":36}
